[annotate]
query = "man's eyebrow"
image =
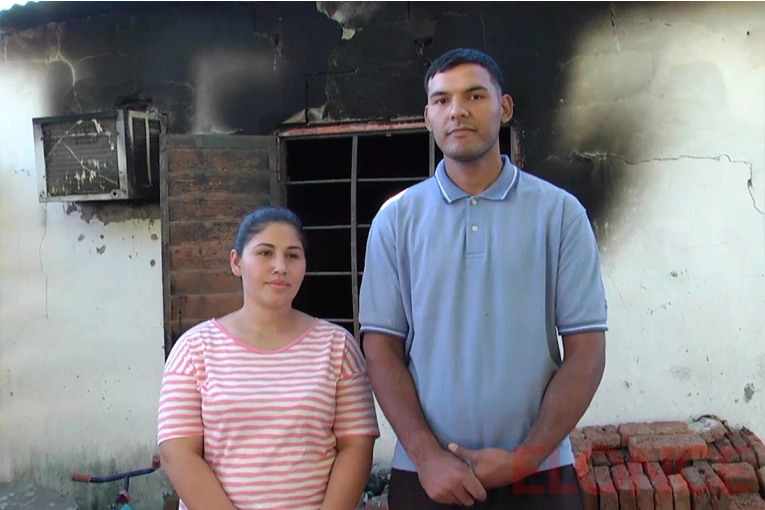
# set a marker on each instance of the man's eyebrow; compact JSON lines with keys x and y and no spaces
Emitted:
{"x":474,"y":88}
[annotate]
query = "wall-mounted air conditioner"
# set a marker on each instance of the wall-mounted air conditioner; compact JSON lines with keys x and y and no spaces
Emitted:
{"x":111,"y":155}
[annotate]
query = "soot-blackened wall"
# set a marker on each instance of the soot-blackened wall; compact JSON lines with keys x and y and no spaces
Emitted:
{"x":247,"y":67}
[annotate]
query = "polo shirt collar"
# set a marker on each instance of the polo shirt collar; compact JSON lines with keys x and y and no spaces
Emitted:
{"x":499,"y":190}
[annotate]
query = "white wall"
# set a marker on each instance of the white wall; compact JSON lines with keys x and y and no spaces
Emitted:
{"x":678,"y":91}
{"x":81,"y":338}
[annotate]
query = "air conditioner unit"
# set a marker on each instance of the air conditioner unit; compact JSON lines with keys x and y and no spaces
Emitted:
{"x":111,"y":155}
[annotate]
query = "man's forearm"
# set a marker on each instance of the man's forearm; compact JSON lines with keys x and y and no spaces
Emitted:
{"x":567,"y":397}
{"x":395,"y":391}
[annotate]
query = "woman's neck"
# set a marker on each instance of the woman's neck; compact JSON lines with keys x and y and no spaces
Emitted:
{"x":256,"y":319}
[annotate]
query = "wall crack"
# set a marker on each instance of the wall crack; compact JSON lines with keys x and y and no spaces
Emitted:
{"x":613,"y":25}
{"x":593,"y":156}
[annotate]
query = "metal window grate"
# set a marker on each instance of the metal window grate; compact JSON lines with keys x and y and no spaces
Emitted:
{"x":355,"y":226}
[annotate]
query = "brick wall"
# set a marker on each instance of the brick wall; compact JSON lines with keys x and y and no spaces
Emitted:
{"x":670,"y":465}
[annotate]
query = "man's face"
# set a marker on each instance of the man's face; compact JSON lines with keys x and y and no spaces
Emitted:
{"x":465,"y":111}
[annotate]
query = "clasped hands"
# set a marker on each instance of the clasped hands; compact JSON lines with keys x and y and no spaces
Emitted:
{"x":461,"y":476}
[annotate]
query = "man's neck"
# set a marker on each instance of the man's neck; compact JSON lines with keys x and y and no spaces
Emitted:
{"x":476,"y":176}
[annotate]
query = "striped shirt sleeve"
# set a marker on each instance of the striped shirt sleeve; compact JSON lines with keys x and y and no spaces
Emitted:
{"x":355,"y":413}
{"x":180,"y":403}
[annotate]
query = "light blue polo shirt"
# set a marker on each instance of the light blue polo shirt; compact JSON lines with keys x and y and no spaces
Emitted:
{"x":479,"y":288}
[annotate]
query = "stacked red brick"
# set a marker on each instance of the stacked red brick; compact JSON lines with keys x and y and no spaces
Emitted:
{"x":670,"y":466}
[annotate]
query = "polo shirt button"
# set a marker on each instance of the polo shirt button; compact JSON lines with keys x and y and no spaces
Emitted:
{"x":474,"y":201}
{"x":475,"y":228}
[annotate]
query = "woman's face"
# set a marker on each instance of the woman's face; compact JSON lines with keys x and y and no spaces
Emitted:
{"x":272,"y":266}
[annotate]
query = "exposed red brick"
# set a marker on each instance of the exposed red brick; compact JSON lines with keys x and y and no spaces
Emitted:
{"x":718,"y":492}
{"x":607,"y":496}
{"x":603,"y":437}
{"x":739,"y":478}
{"x":697,"y":486}
{"x":681,"y":494}
{"x":590,"y":490}
{"x":746,"y":502}
{"x":625,"y":489}
{"x":713,"y":454}
{"x":643,"y":487}
{"x":757,"y":445}
{"x":576,"y":435}
{"x":668,"y":467}
{"x":663,"y":447}
{"x":599,"y":458}
{"x":743,"y":448}
{"x":616,"y":457}
{"x":627,"y":430}
{"x":727,"y":451}
{"x":662,"y":490}
{"x":582,"y":453}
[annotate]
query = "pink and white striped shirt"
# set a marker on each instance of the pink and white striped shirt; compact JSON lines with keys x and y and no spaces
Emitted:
{"x":269,"y":419}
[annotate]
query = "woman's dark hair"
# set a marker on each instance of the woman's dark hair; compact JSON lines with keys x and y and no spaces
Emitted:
{"x":256,"y":221}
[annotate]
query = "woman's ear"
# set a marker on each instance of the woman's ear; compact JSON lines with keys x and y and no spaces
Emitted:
{"x":235,"y":261}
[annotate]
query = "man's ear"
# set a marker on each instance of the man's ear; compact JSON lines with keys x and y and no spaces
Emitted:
{"x":507,"y":108}
{"x":427,"y":120}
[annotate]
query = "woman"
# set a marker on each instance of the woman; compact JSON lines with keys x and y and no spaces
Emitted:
{"x":267,"y":407}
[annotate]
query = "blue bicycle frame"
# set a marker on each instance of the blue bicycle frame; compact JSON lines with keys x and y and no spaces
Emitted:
{"x":123,"y":497}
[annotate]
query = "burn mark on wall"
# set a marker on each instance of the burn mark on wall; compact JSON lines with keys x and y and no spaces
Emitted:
{"x":114,"y":212}
{"x":261,"y":69}
{"x":245,"y":68}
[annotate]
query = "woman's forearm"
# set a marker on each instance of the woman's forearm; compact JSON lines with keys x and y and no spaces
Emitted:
{"x":349,"y":476}
{"x":196,"y":484}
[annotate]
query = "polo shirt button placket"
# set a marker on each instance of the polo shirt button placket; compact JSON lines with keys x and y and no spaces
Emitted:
{"x":475,"y":235}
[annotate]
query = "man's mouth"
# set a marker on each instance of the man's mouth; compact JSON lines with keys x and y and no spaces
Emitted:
{"x":460,"y":130}
{"x":278,"y":284}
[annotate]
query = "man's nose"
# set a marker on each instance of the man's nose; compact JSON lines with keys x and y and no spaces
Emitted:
{"x":458,"y":109}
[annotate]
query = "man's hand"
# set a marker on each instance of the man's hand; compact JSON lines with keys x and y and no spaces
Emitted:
{"x":448,"y":480}
{"x":494,"y":467}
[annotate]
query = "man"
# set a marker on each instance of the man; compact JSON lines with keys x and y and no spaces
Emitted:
{"x":469,"y":279}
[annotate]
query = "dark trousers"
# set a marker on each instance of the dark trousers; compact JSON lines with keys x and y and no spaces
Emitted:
{"x":556,"y":489}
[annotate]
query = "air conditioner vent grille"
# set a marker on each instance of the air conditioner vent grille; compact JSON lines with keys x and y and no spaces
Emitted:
{"x":81,"y":157}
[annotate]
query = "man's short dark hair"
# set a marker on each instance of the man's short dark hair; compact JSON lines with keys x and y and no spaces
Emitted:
{"x":460,"y":56}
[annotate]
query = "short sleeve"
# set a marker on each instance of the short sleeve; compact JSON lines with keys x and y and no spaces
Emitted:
{"x":355,"y":413}
{"x":580,"y":301}
{"x":180,"y":403}
{"x":381,"y":306}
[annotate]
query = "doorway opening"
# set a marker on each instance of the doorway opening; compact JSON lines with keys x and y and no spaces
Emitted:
{"x":336,"y":181}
